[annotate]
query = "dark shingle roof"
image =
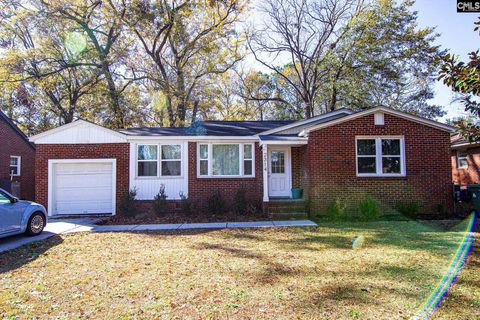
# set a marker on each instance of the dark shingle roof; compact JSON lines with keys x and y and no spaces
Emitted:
{"x":211,"y":128}
{"x":15,"y":128}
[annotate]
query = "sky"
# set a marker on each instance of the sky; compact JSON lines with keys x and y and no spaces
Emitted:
{"x":456,"y":35}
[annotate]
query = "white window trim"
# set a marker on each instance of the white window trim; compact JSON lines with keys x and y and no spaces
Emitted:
{"x":209,"y":159}
{"x":379,"y":156}
{"x":19,"y":166}
{"x":159,"y":161}
{"x":458,"y":159}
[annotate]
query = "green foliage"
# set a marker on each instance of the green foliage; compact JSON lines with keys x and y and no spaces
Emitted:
{"x":337,"y":209}
{"x":408,"y":208}
{"x":187,"y":205}
{"x":464,"y":79}
{"x":216,"y":204}
{"x":127,"y":206}
{"x":369,"y":209}
{"x":160,"y":202}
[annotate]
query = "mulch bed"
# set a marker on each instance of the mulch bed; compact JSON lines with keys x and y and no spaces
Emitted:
{"x":151,"y":218}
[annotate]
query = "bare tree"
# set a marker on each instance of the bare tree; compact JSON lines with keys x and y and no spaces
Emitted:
{"x":302,"y":34}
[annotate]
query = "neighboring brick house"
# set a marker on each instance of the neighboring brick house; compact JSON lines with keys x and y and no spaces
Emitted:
{"x":83,"y":168}
{"x":17,"y":160}
{"x":465,"y":159}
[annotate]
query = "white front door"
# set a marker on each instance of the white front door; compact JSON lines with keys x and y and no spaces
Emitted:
{"x":279,"y":172}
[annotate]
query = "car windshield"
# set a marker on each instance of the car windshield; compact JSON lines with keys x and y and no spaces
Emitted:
{"x":4,"y":198}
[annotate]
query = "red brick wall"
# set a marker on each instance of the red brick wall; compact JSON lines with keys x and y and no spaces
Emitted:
{"x":299,"y":169}
{"x":470,"y":174}
{"x":14,"y":145}
{"x":200,"y":189}
{"x":332,"y":165}
{"x":119,"y":151}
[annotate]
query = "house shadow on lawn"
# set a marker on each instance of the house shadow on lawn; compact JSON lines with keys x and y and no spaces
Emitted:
{"x":27,"y":253}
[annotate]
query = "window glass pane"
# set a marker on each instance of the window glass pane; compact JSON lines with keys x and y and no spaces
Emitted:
{"x":391,"y":165}
{"x":171,"y":168}
{"x":462,"y":159}
{"x":390,"y":147}
{"x":14,"y":170}
{"x":203,"y":167}
{"x":171,"y":152}
{"x":367,"y":165}
{"x":278,"y":161}
{"x":147,"y":169}
{"x":247,"y":151}
{"x":3,"y":198}
{"x":13,"y":161}
{"x":247,"y":167}
{"x":203,"y":151}
{"x":147,"y":152}
{"x":226,"y":158}
{"x":366,"y":147}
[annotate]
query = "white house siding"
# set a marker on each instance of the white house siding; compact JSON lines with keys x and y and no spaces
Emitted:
{"x":79,"y":132}
{"x":148,"y":187}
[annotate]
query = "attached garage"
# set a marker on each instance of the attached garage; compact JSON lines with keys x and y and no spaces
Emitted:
{"x":81,"y":169}
{"x":84,"y":186}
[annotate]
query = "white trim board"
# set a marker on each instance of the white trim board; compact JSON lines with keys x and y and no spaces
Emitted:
{"x":390,"y":111}
{"x":306,"y":121}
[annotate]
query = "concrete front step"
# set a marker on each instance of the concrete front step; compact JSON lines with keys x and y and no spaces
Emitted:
{"x":287,"y":206}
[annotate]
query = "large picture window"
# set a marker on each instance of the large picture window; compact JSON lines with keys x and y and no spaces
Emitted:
{"x":152,"y":163}
{"x":380,"y":156}
{"x":225,"y":160}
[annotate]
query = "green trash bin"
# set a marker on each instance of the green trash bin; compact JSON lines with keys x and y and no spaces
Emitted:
{"x":475,"y":190}
{"x":296,"y":193}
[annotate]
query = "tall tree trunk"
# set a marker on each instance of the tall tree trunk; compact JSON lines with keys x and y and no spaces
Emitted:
{"x":119,"y":116}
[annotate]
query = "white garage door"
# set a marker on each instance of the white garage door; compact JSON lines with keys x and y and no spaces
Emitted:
{"x":83,"y":187}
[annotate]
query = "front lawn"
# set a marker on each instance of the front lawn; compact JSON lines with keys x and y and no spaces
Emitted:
{"x":283,"y":273}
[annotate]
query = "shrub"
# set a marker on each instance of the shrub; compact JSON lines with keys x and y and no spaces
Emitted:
{"x":408,"y":208}
{"x":160,"y":202}
{"x":336,"y":210}
{"x":187,"y":205}
{"x":369,"y":209}
{"x":240,"y":201}
{"x":127,"y":206}
{"x":216,"y":204}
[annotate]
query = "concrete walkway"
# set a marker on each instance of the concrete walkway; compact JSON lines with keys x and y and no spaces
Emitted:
{"x":63,"y":226}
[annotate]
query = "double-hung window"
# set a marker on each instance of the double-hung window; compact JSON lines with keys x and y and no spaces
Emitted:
{"x":380,"y":156}
{"x":225,"y":160}
{"x":462,"y":160}
{"x":171,"y":160}
{"x":15,"y":165}
{"x":163,"y":160}
{"x":147,"y":160}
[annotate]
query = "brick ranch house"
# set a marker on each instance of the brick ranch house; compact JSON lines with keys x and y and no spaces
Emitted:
{"x":465,"y":160}
{"x":83,"y":168}
{"x":17,"y":160}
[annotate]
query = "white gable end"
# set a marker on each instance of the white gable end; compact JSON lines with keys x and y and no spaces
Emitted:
{"x":79,"y":132}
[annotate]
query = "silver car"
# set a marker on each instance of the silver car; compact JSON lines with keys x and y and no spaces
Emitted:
{"x":20,"y":216}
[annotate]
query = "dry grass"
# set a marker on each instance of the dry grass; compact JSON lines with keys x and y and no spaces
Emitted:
{"x":294,"y":273}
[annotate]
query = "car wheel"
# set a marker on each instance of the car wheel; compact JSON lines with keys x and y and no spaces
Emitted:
{"x":36,"y":223}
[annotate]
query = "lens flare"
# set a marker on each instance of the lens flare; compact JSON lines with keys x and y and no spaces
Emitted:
{"x":75,"y":43}
{"x":458,"y":262}
{"x":357,"y":242}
